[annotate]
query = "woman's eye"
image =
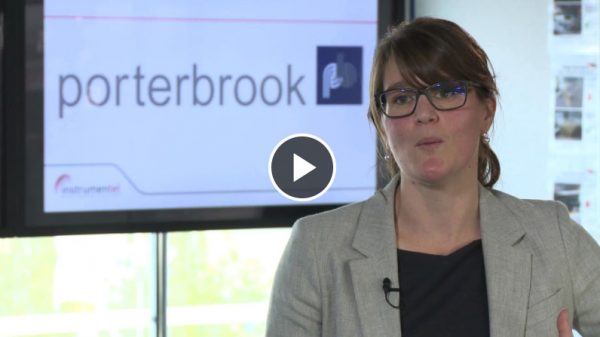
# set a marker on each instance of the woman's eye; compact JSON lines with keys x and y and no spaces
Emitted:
{"x":402,"y":99}
{"x":446,"y":92}
{"x":449,"y":92}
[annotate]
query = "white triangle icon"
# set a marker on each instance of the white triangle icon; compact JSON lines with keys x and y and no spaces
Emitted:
{"x":301,"y":167}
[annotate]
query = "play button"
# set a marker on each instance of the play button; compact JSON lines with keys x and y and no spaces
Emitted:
{"x":302,"y":167}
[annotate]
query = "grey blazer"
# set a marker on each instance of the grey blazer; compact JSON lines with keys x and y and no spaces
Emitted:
{"x":537,"y":261}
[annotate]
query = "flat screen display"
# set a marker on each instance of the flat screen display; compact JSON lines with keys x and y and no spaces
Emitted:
{"x":153,"y":105}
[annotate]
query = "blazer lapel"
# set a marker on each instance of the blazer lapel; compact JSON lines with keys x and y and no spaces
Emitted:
{"x":507,"y":266}
{"x":375,"y":238}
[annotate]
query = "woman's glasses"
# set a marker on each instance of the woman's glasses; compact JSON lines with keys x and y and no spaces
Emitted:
{"x":444,"y":96}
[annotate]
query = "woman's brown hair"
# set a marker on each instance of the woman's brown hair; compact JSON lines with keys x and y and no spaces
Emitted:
{"x":429,"y":50}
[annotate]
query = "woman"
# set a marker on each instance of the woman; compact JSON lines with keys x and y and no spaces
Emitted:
{"x":468,"y":260}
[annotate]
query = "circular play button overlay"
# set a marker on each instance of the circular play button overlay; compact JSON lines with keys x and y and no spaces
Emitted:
{"x":302,"y":167}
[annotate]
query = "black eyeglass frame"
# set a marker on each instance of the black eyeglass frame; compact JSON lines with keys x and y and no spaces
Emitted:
{"x":379,"y":98}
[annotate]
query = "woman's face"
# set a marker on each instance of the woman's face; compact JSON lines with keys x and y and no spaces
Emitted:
{"x":432,"y":147}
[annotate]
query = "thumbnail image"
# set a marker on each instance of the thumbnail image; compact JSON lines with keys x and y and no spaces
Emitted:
{"x":568,"y":194}
{"x":567,"y":124}
{"x":569,"y":92}
{"x":567,"y":17}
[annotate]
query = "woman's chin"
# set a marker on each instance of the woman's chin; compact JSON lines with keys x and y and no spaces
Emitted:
{"x":433,"y":170}
{"x":427,"y":178}
{"x":432,"y":178}
{"x":432,"y":175}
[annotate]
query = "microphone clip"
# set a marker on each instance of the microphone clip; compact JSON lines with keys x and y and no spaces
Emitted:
{"x":387,"y":289}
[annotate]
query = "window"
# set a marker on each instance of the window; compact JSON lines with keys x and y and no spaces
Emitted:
{"x":93,"y":285}
{"x":218,"y":284}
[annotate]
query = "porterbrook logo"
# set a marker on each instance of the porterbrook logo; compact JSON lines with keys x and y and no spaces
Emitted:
{"x":339,"y":75}
{"x":193,"y":89}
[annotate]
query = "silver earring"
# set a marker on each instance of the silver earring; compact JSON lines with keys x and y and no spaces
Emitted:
{"x":386,"y":157}
{"x":485,"y":138}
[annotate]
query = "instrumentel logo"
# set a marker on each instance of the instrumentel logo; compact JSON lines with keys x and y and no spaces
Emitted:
{"x":64,"y":185}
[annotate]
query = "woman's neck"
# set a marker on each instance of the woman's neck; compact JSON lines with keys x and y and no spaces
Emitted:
{"x":436,"y":219}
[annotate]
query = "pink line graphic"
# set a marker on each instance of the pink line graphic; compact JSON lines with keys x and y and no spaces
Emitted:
{"x":213,"y":20}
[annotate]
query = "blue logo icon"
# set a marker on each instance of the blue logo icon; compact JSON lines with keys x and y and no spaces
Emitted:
{"x":339,"y":75}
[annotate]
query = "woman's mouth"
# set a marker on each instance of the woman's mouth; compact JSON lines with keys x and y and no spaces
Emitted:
{"x":429,"y":142}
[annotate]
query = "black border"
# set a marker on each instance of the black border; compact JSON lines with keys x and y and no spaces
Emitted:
{"x":13,"y":72}
{"x":22,"y":169}
{"x":2,"y":66}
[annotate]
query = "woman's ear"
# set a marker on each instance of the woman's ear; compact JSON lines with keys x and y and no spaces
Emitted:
{"x":490,"y":112}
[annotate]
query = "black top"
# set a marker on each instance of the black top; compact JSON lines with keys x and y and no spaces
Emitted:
{"x":444,"y":296}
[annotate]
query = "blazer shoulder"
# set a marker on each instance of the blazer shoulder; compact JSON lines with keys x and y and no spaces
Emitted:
{"x":547,"y":222}
{"x":330,"y":231}
{"x":535,"y":212}
{"x":337,"y":220}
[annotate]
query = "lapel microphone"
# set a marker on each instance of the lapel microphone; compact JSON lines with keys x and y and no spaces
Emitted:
{"x":387,"y":289}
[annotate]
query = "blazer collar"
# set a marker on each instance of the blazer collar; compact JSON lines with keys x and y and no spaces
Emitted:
{"x":376,"y":231}
{"x":507,"y":265}
{"x":499,"y":225}
{"x":375,"y":238}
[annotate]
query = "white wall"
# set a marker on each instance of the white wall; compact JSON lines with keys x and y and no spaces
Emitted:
{"x":514,"y":33}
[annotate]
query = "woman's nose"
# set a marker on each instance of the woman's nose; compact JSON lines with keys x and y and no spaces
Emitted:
{"x":425,"y":112}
